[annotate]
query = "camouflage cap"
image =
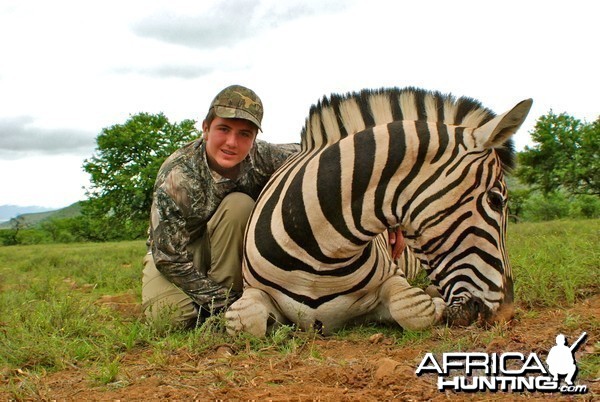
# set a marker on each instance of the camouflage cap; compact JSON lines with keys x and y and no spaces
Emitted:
{"x":238,"y":102}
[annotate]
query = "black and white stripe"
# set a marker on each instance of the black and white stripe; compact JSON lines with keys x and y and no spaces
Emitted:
{"x":316,"y":249}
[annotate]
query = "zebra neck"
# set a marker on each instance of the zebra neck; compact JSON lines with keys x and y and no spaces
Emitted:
{"x":356,"y":192}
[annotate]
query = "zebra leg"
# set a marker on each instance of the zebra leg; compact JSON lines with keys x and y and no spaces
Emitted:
{"x":410,"y":306}
{"x":409,"y":265}
{"x":254,"y":313}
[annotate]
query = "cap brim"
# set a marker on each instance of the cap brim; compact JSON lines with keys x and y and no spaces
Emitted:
{"x":233,"y":113}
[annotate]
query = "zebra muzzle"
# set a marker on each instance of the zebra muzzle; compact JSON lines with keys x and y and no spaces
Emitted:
{"x":475,"y":311}
{"x":465,"y":314}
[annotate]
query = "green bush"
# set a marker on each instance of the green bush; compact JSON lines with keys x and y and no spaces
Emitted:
{"x":537,"y":207}
{"x":546,"y":208}
{"x":24,"y":236}
{"x":585,"y":206}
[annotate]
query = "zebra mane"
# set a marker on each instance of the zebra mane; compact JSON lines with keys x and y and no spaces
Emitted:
{"x":338,"y":116}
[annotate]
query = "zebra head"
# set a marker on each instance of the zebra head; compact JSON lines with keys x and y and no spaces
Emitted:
{"x":456,"y":224}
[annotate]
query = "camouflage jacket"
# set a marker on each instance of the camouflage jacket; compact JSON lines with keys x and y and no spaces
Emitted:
{"x":186,"y":195}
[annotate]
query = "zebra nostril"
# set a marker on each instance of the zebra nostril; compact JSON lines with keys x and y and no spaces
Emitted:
{"x":318,"y":327}
{"x":480,"y":312}
{"x":477,"y":305}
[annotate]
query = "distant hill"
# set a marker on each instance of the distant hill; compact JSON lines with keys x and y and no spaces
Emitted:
{"x":7,"y":212}
{"x":34,"y":218}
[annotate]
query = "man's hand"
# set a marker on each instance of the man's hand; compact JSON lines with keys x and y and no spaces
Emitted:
{"x":397,"y":242}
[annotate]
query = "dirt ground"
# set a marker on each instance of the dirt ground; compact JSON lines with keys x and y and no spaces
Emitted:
{"x":329,"y":369}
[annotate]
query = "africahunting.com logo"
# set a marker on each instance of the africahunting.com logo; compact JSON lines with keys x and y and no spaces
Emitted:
{"x":510,"y":371}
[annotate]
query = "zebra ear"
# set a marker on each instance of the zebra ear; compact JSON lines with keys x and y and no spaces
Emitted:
{"x":497,"y":131}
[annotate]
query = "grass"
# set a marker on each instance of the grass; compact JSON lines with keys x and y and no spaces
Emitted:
{"x":49,"y":319}
{"x":555,"y":263}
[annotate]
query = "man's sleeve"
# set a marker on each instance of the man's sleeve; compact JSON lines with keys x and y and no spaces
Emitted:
{"x":270,"y":157}
{"x":173,"y":259}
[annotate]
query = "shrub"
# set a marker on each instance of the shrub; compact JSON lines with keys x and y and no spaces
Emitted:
{"x":585,"y":206}
{"x":545,"y":208}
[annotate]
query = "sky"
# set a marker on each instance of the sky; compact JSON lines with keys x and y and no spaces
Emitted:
{"x":68,"y":69}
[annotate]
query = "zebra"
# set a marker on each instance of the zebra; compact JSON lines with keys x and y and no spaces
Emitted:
{"x":316,"y":253}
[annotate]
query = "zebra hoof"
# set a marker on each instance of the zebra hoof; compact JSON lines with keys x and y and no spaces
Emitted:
{"x":247,"y":315}
{"x":440,"y":306}
{"x":433,"y":291}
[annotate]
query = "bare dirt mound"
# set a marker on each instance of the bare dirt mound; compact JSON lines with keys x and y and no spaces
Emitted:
{"x":330,"y":369}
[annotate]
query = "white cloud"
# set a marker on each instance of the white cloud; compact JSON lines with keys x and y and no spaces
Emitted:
{"x":19,"y":136}
{"x":227,"y":23}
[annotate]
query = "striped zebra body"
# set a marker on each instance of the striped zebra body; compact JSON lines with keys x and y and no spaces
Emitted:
{"x":316,"y":251}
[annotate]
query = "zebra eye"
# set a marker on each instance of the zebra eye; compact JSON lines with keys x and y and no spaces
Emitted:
{"x":496,"y":201}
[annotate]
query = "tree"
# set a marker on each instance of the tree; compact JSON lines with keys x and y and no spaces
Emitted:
{"x":566,"y":155}
{"x":124,"y":167}
{"x":17,"y":224}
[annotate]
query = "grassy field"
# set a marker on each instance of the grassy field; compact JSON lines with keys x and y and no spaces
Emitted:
{"x":50,"y":318}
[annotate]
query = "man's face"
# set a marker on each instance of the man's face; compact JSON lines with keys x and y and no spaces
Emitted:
{"x":228,"y":142}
